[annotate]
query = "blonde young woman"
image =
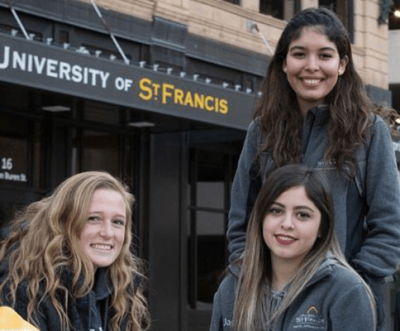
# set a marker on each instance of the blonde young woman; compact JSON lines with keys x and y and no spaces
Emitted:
{"x":293,"y":274}
{"x":67,"y":263}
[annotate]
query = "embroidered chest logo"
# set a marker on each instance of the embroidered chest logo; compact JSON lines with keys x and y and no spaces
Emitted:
{"x":311,"y":320}
{"x":329,"y":165}
{"x":227,"y":322}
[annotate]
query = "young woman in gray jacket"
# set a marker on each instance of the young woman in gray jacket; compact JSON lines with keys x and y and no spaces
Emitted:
{"x":293,"y":274}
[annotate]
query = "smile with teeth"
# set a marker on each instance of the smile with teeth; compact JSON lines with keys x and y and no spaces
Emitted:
{"x":102,"y":247}
{"x":311,"y":81}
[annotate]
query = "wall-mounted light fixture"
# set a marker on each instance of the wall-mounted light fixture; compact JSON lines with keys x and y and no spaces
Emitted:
{"x":82,"y":50}
{"x":252,"y":26}
{"x":141,"y":124}
{"x":56,"y":108}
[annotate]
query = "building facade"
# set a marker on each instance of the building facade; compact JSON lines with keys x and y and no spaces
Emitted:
{"x":158,"y":93}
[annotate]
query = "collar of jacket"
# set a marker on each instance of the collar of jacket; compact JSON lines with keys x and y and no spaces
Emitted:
{"x":102,"y":286}
{"x":320,"y":113}
{"x":324,"y":270}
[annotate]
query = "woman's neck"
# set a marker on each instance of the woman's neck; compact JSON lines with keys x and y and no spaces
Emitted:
{"x":282,"y":273}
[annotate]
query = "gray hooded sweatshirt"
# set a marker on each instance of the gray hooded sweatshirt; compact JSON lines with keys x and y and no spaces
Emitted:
{"x":334,"y":300}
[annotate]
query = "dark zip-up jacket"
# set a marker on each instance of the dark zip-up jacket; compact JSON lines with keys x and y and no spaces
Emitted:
{"x":335,"y":299}
{"x":88,"y":313}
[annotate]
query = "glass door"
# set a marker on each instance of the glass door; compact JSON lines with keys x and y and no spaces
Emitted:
{"x":20,"y":162}
{"x":211,"y":170}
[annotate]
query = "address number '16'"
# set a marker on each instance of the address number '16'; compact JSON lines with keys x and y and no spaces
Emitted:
{"x":6,"y":163}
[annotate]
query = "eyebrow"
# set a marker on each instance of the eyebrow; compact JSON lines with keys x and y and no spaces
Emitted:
{"x":101,"y":213}
{"x":321,"y":49}
{"x":296,"y":208}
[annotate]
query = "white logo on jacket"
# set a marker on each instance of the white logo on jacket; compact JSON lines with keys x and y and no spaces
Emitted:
{"x":310,"y":320}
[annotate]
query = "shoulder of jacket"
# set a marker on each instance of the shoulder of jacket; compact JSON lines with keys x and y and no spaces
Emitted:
{"x":234,"y":269}
{"x":226,"y":290}
{"x":377,"y":120}
{"x":254,"y":130}
{"x":345,"y":277}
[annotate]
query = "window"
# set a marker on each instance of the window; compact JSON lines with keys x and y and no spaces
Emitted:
{"x":273,"y":8}
{"x":14,"y":151}
{"x":283,"y":10}
{"x":210,"y":177}
{"x":235,"y":2}
{"x":344,"y":9}
{"x":100,"y":152}
{"x":394,"y":19}
{"x":20,"y":164}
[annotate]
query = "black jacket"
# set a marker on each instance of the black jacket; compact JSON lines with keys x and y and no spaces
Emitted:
{"x":88,"y":313}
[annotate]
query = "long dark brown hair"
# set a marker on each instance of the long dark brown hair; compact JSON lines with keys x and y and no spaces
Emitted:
{"x":279,"y":115}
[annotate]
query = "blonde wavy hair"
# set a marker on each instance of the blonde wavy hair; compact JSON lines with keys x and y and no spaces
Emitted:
{"x":44,"y":241}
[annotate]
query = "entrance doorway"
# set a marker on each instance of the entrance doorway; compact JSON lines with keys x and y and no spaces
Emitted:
{"x":19,"y":164}
{"x":212,"y":166}
{"x":39,"y":149}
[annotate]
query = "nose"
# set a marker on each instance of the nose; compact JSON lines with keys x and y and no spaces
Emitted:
{"x":287,"y":221}
{"x":106,"y":230}
{"x":312,"y":63}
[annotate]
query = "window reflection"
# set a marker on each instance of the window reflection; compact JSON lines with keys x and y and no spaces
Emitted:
{"x":100,"y":151}
{"x":210,"y":178}
{"x":210,"y":256}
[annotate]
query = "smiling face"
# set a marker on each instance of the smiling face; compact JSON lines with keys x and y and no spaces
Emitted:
{"x":103,"y":234}
{"x":291,"y":227}
{"x":312,"y":67}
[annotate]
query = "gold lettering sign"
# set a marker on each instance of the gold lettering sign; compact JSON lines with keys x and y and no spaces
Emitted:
{"x":169,"y":94}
